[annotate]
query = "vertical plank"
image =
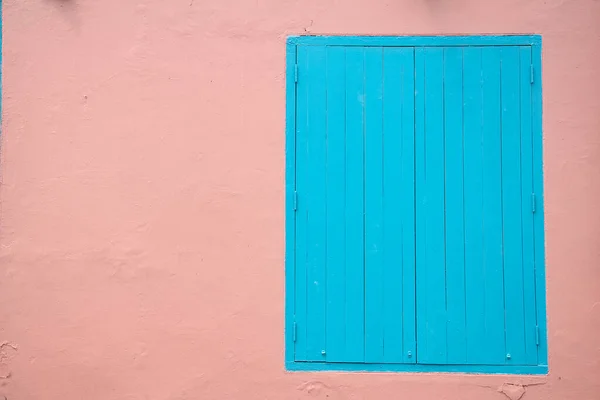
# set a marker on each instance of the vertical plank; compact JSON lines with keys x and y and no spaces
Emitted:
{"x":373,"y":205}
{"x":398,"y":203}
{"x":316,"y":202}
{"x":392,"y":214}
{"x":302,"y":186}
{"x":290,"y":212}
{"x":492,"y":208}
{"x":408,"y":204}
{"x":473,"y":199}
{"x":336,"y":203}
{"x":354,"y":191}
{"x":421,"y":277}
{"x":511,"y":207}
{"x":538,"y":187}
{"x":526,"y":205}
{"x":455,"y":250}
{"x":433,"y":289}
{"x":434,"y":149}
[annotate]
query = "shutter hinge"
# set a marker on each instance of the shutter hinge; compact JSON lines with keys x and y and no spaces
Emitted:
{"x":537,"y":335}
{"x":533,"y":203}
{"x":295,"y":329}
{"x":296,"y":73}
{"x":295,"y":201}
{"x":531,"y":73}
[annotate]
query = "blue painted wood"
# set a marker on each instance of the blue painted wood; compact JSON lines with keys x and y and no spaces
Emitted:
{"x":431,"y":285}
{"x":511,"y":207}
{"x":373,"y":205}
{"x":495,"y":351}
{"x":392,"y":246}
{"x":314,"y":195}
{"x":290,"y":188}
{"x":454,"y":205}
{"x":408,"y":206}
{"x":436,"y":327}
{"x":355,"y":233}
{"x":473,"y":207}
{"x":484,"y":168}
{"x":398,"y":206}
{"x":538,"y":188}
{"x":336,"y":205}
{"x":420,"y":368}
{"x":302,"y":186}
{"x":488,"y":305}
{"x":420,"y":204}
{"x":527,"y":214}
{"x":417,"y":41}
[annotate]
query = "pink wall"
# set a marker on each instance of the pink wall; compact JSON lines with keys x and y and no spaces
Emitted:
{"x":142,"y":196}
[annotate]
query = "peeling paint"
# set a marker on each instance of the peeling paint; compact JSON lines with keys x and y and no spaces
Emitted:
{"x":320,"y":390}
{"x":7,"y":352}
{"x":512,"y":391}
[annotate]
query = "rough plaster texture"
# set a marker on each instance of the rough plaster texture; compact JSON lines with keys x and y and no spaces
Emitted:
{"x":142,"y":197}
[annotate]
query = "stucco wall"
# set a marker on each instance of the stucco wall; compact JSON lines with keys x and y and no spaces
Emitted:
{"x":142,"y":197}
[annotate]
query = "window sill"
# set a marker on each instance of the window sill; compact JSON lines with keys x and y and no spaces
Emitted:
{"x":418,"y":368}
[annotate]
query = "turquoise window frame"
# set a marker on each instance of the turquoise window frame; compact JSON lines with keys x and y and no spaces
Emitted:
{"x":535,"y":41}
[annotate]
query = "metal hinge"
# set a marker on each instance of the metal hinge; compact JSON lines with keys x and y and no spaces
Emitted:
{"x":537,"y":335}
{"x":531,"y":74}
{"x":533,"y":202}
{"x":296,"y":73}
{"x":295,"y":201}
{"x":295,"y":329}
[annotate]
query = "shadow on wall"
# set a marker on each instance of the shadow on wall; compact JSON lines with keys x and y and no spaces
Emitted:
{"x":69,"y":10}
{"x":69,"y":4}
{"x":440,"y":7}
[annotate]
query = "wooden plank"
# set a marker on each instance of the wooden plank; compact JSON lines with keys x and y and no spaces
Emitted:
{"x":355,"y":312}
{"x":538,"y":188}
{"x":302,"y":186}
{"x":290,"y":212}
{"x":473,"y":199}
{"x":529,"y":301}
{"x":336,"y":205}
{"x":458,"y":371}
{"x":398,"y":204}
{"x":419,"y":41}
{"x":316,"y":202}
{"x":392,"y":213}
{"x":421,"y":204}
{"x":454,"y":205}
{"x":432,"y":289}
{"x":373,"y":205}
{"x":492,"y":209}
{"x":408,"y":205}
{"x":511,"y":208}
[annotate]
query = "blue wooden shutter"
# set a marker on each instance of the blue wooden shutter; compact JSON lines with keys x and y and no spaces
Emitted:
{"x":475,"y":241}
{"x":355,"y":222}
{"x":415,"y":173}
